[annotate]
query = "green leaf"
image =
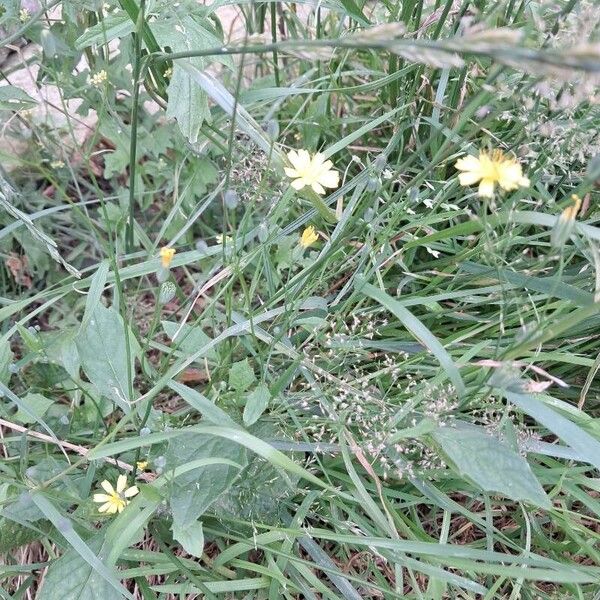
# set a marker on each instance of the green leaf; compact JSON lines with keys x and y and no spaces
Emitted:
{"x":490,"y":464}
{"x":189,"y":338}
{"x":14,"y":98}
{"x":241,"y":375}
{"x":72,"y":578}
{"x":195,"y":491}
{"x":6,"y":357}
{"x":112,"y":26}
{"x":578,"y":439}
{"x":191,"y":538}
{"x":256,"y":403}
{"x":36,"y":404}
{"x":103,"y":352}
{"x":14,"y":535}
{"x":203,"y":405}
{"x":188,"y":102}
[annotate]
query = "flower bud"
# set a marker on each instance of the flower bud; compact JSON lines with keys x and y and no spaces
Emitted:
{"x":231,"y":199}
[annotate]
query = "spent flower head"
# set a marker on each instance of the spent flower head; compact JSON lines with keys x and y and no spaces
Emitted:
{"x":166,"y":256}
{"x":489,"y":169}
{"x":309,"y":237}
{"x":115,"y":499}
{"x":311,"y":171}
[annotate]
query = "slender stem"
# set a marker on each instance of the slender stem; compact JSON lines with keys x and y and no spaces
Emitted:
{"x":274,"y":38}
{"x":134,"y":125}
{"x":512,"y":55}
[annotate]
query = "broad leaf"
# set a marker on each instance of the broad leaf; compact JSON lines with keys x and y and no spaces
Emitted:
{"x":188,"y":103}
{"x":241,"y":375}
{"x":72,"y":578}
{"x":490,"y":464}
{"x":191,"y":538}
{"x":189,"y":338}
{"x":112,"y":26}
{"x":194,"y":492}
{"x":14,"y":98}
{"x":256,"y":404}
{"x":36,"y":404}
{"x":103,"y":351}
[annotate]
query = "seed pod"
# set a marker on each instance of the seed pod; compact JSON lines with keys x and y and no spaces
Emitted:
{"x":167,"y":292}
{"x":231,"y":199}
{"x":372,"y":184}
{"x":201,"y":246}
{"x":263,"y":232}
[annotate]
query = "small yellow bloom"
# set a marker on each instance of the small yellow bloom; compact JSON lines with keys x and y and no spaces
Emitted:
{"x":166,"y":256}
{"x":141,"y":464}
{"x":491,"y":169}
{"x":315,"y":171}
{"x":221,"y":239}
{"x":98,"y":79}
{"x":309,"y":237}
{"x":115,"y":500}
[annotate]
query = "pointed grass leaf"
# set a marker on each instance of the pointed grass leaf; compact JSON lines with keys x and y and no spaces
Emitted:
{"x":579,"y":440}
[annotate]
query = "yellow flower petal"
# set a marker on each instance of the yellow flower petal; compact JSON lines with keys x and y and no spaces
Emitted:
{"x":132,"y":491}
{"x":490,"y":169}
{"x":298,"y":184}
{"x":331,"y":179}
{"x":468,"y":163}
{"x":107,"y":487}
{"x":468,"y":178}
{"x":486,"y":188}
{"x":121,"y":483}
{"x":101,"y":498}
{"x":105,"y":507}
{"x":317,"y":187}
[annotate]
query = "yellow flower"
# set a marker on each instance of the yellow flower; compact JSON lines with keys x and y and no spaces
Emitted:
{"x":315,"y":171}
{"x":223,"y":239}
{"x":166,"y":256}
{"x":115,"y":500}
{"x":309,"y":237}
{"x":98,"y":79}
{"x":491,"y":169}
{"x":141,"y":464}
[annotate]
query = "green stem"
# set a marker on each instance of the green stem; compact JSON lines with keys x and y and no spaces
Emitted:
{"x":134,"y":124}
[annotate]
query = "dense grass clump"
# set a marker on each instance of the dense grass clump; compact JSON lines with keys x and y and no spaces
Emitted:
{"x":299,"y":300}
